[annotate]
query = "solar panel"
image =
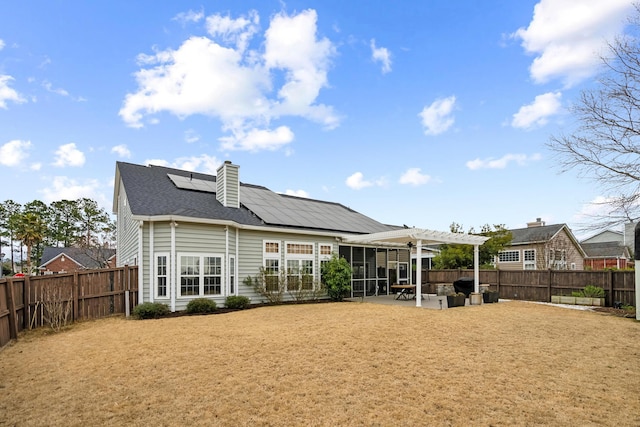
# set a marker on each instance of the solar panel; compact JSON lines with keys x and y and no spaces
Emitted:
{"x":276,"y":209}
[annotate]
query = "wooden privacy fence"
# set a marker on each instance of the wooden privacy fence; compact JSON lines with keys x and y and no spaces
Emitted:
{"x":540,"y":285}
{"x":26,"y":302}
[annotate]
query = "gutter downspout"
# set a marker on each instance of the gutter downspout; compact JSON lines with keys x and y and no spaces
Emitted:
{"x":140,"y":262}
{"x":172,"y":266}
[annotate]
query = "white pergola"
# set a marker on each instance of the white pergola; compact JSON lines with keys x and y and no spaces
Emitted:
{"x":419,"y":237}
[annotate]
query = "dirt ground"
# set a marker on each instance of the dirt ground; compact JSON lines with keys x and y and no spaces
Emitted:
{"x":334,"y":364}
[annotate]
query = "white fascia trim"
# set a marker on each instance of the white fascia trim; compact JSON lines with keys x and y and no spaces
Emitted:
{"x":178,"y":219}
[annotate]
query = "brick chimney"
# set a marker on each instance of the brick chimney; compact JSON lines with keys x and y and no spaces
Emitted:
{"x":228,"y":185}
{"x":537,"y":223}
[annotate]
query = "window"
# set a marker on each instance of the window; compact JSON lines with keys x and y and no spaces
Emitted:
{"x":271,"y":262}
{"x":529,"y":259}
{"x":557,"y":259}
{"x":162,"y":290}
{"x":509,"y":256}
{"x":212,"y":275}
{"x":325,"y":255}
{"x":232,"y":275}
{"x":299,"y":261}
{"x":200,"y":275}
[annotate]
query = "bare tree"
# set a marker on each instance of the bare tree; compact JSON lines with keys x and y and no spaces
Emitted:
{"x":605,"y":145}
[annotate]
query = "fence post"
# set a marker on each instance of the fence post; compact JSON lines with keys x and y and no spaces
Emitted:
{"x":549,"y":280}
{"x":13,"y":321}
{"x":26,"y":298}
{"x":610,"y":290}
{"x":127,"y":284}
{"x":75,"y":291}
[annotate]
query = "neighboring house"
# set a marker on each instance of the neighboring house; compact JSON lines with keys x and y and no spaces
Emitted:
{"x":541,"y":247}
{"x":197,"y":235}
{"x":67,"y":260}
{"x":606,"y":249}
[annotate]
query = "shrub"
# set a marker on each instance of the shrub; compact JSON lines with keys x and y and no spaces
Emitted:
{"x":150,"y":310}
{"x":336,"y":275}
{"x":239,"y":302}
{"x":201,"y":305}
{"x":589,"y":291}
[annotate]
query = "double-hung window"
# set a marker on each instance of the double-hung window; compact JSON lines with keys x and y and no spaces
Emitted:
{"x":200,"y":275}
{"x":325,"y":255}
{"x":162,"y":276}
{"x":271,"y":259}
{"x":529,"y":259}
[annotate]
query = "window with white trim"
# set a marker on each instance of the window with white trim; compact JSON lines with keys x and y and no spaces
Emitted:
{"x":325,"y":256}
{"x":232,"y":274}
{"x":162,"y":276}
{"x":529,"y":259}
{"x":300,"y":269}
{"x":509,"y":256}
{"x":200,"y":275}
{"x":271,"y":263}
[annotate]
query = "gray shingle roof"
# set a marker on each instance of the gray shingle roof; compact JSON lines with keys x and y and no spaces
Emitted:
{"x":150,"y":192}
{"x":605,"y":250}
{"x":86,"y":257}
{"x":528,"y":235}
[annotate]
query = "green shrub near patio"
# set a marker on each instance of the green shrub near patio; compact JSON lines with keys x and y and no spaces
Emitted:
{"x":201,"y":306}
{"x":237,"y":301}
{"x":150,"y":310}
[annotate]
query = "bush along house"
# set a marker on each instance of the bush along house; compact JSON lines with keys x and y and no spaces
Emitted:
{"x":196,"y":235}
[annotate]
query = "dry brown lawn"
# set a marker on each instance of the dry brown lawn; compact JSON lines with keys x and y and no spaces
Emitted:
{"x":506,"y":364}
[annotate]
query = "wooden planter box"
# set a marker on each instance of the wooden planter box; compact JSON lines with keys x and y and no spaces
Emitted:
{"x":490,"y":297}
{"x":558,"y":299}
{"x":455,"y":301}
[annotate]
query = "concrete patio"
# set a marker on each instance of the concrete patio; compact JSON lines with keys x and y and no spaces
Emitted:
{"x":430,"y":301}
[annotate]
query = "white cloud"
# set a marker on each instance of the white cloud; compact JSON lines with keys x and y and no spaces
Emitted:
{"x":122,"y":151}
{"x":58,"y":91}
{"x":567,"y":36}
{"x":191,"y":136}
{"x":413,"y":176}
{"x":68,"y":155}
{"x":2,"y":44}
{"x":503,"y":162}
{"x":437,"y":117}
{"x":189,"y":16}
{"x":258,"y":139}
{"x":203,"y":163}
{"x":14,"y":153}
{"x":7,"y":93}
{"x":220,"y":77}
{"x":65,"y":188}
{"x":537,"y":113}
{"x":297,"y":193}
{"x":357,"y":181}
{"x":382,"y":55}
{"x":234,"y":31}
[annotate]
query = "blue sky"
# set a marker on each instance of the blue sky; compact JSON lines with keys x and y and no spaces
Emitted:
{"x":417,"y":113}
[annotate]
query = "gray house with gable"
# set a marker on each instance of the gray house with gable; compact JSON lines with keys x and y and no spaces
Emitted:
{"x":197,"y":235}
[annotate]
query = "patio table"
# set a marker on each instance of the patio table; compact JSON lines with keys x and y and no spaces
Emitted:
{"x":406,"y":291}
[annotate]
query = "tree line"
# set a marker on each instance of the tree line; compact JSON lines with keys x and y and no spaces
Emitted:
{"x":65,"y":223}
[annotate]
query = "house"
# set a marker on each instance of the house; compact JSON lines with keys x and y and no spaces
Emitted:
{"x":67,"y":260}
{"x":197,"y":235}
{"x":606,"y":249}
{"x":541,"y":247}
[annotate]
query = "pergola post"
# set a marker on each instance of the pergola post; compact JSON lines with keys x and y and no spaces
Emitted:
{"x":418,"y":272}
{"x":476,"y":268}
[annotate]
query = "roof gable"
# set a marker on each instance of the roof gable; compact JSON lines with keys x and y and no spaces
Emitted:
{"x":529,"y":235}
{"x":160,"y":191}
{"x":83,"y":257}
